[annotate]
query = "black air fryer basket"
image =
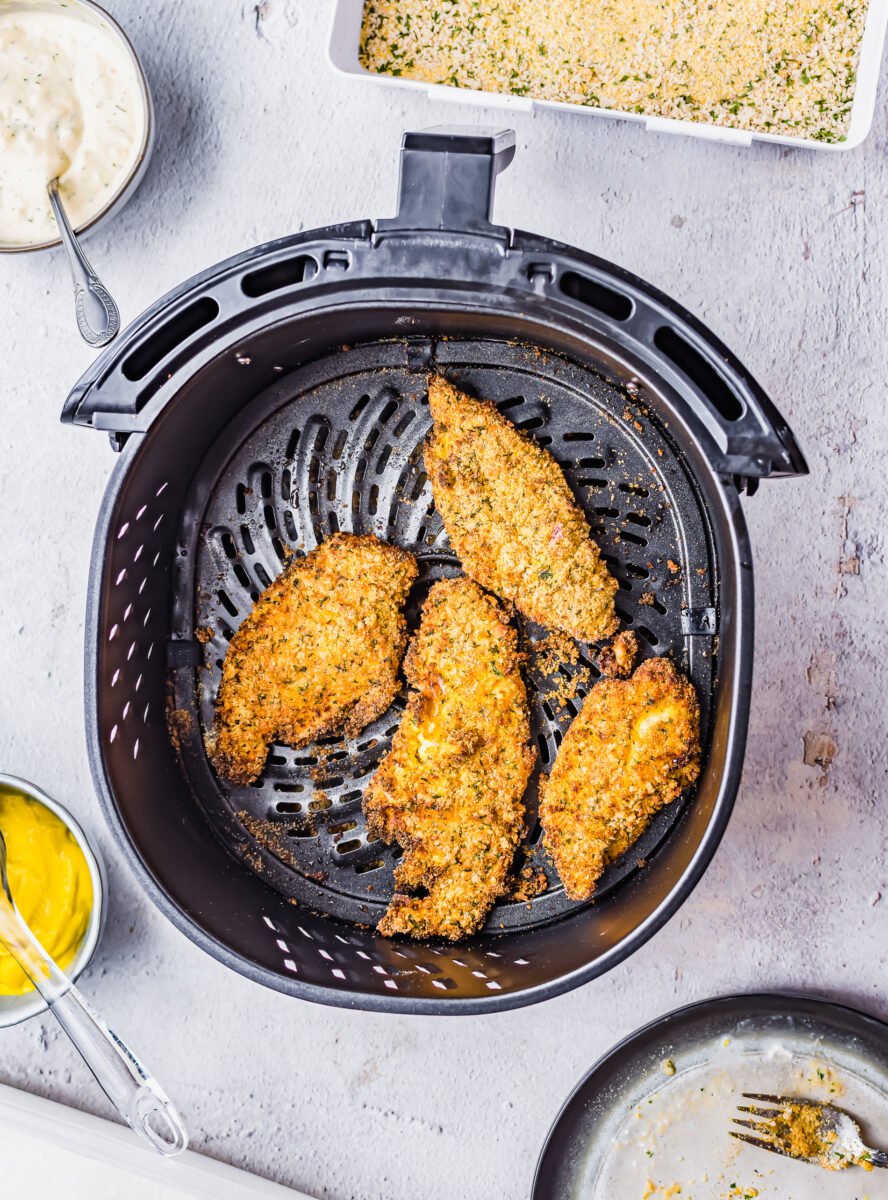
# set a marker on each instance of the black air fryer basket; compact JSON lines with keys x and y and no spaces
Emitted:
{"x":281,"y":396}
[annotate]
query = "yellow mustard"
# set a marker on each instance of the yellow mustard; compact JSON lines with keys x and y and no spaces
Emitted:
{"x":50,"y":882}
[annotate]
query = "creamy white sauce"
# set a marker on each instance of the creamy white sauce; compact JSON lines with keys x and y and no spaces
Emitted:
{"x":674,"y":1143}
{"x":70,"y":108}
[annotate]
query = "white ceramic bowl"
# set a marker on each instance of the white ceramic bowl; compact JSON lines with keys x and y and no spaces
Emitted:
{"x":95,"y":15}
{"x":18,"y":1008}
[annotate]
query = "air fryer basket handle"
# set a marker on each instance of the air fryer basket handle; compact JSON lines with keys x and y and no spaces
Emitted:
{"x":448,"y":176}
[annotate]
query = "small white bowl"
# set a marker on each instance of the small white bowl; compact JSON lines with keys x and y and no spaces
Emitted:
{"x":18,"y":1008}
{"x":95,"y":15}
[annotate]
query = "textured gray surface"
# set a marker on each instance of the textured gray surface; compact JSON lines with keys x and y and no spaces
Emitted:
{"x":783,"y":254}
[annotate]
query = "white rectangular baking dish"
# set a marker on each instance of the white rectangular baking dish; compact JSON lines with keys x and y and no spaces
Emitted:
{"x":345,"y":37}
{"x":51,"y":1152}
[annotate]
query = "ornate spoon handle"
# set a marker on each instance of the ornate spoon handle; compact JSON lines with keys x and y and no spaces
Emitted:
{"x":98,"y":318}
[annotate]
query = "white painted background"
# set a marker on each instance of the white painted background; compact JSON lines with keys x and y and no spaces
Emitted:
{"x":783,"y":253}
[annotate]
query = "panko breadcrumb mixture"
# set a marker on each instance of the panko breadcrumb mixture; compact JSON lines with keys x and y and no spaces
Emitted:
{"x":772,"y":66}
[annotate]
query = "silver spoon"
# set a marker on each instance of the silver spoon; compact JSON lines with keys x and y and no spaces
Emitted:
{"x":131,"y":1089}
{"x":98,"y":317}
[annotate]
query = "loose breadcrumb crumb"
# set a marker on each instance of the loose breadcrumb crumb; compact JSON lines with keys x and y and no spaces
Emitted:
{"x":616,"y":660}
{"x":555,"y":650}
{"x":527,"y":884}
{"x":560,"y":650}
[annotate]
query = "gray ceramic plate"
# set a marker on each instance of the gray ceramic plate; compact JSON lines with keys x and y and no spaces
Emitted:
{"x":583,"y":1131}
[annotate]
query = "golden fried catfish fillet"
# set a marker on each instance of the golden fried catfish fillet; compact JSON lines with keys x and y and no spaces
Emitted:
{"x":634,"y":748}
{"x":318,"y":654}
{"x":512,"y":518}
{"x":450,"y":791}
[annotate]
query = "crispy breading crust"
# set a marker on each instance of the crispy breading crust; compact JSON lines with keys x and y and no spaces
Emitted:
{"x":451,"y":789}
{"x":318,"y":654}
{"x":634,"y":748}
{"x":512,"y":518}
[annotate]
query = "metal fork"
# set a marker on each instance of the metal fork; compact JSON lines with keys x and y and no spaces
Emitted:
{"x":838,"y":1134}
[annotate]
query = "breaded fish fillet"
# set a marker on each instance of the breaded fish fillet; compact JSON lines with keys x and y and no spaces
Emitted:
{"x":318,"y":654}
{"x":512,"y":518}
{"x":634,"y":748}
{"x":450,"y":791}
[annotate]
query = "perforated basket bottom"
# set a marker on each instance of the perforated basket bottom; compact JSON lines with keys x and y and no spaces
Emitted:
{"x":338,"y":445}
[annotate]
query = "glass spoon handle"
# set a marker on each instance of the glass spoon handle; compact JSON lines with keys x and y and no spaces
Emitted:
{"x":135,"y":1094}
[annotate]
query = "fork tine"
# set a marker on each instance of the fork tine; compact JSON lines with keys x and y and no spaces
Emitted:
{"x":759,"y":1112}
{"x":744,"y":1137}
{"x":756,"y":1126}
{"x":762,"y":1096}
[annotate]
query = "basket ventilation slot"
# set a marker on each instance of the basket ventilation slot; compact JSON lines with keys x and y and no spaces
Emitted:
{"x":596,"y":295}
{"x":155,"y":349}
{"x":692,"y":363}
{"x":280,"y":275}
